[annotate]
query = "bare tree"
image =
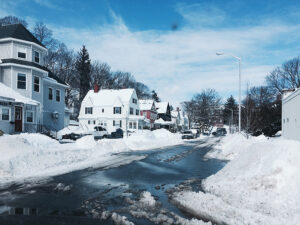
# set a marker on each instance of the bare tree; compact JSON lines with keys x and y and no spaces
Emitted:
{"x":12,"y":20}
{"x":44,"y":35}
{"x":286,"y":76}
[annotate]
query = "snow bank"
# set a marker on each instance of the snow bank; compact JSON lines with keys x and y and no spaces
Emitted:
{"x":259,"y":186}
{"x":35,"y":155}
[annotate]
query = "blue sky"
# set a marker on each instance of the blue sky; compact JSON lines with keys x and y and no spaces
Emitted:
{"x":136,"y":36}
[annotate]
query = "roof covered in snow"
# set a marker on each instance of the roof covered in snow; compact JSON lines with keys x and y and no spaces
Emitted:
{"x":9,"y":93}
{"x":106,"y":97}
{"x":175,"y":113}
{"x":162,"y":107}
{"x":146,"y":104}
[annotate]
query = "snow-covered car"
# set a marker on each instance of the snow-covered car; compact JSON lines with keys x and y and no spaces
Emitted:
{"x":100,"y":132}
{"x":188,"y":134}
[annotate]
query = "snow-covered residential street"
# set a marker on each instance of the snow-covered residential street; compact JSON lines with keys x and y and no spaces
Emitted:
{"x":260,"y":184}
{"x":110,"y":181}
{"x":37,"y":156}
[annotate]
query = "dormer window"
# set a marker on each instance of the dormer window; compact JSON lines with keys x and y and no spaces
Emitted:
{"x":36,"y":57}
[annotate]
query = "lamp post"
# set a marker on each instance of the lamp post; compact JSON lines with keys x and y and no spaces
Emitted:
{"x":231,"y":120}
{"x":239,"y":59}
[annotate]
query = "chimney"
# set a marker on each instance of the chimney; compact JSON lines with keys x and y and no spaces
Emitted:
{"x":96,"y":88}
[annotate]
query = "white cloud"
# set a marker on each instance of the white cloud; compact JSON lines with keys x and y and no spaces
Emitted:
{"x":180,"y":63}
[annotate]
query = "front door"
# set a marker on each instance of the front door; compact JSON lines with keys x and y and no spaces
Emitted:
{"x":18,"y":119}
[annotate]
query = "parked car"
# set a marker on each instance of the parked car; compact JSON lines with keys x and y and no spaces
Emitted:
{"x":100,"y":132}
{"x":188,"y":134}
{"x":117,"y":134}
{"x":220,"y":132}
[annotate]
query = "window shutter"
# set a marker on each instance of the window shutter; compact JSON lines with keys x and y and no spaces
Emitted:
{"x":113,"y":123}
{"x":120,"y":123}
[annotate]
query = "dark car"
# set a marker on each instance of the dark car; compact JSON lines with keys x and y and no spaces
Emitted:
{"x":72,"y":136}
{"x":220,"y":132}
{"x":117,"y":134}
{"x":187,"y":135}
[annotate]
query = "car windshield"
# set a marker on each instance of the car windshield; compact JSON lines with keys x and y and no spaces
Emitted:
{"x":187,"y":132}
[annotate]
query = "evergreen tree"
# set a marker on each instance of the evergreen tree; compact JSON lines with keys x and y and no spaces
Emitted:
{"x":83,"y":67}
{"x":227,"y":112}
{"x":155,"y":96}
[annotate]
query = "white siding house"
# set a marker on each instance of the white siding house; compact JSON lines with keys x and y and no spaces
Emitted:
{"x":111,"y":109}
{"x":291,"y":115}
{"x":22,"y":71}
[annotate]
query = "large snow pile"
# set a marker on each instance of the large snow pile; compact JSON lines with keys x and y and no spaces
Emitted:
{"x":35,"y":155}
{"x":259,"y":186}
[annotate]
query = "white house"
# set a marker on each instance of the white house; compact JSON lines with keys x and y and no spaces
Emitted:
{"x":22,"y":73}
{"x":111,"y":109}
{"x":291,"y":115}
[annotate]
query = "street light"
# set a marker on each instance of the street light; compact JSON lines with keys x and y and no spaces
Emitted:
{"x":239,"y":59}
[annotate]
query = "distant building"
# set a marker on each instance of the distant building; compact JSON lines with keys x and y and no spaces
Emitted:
{"x":163,"y":111}
{"x":175,"y":114}
{"x":32,"y":98}
{"x":291,"y":115}
{"x":148,"y":110}
{"x":111,"y":109}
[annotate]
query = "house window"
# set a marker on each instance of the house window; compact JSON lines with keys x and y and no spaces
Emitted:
{"x":89,"y":122}
{"x":21,"y":81}
{"x":50,"y":93}
{"x":120,"y":123}
{"x":94,"y":122}
{"x":29,"y":116}
{"x":134,"y":125}
{"x":114,"y":123}
{"x":131,"y":111}
{"x":58,"y":95}
{"x":145,"y":114}
{"x":36,"y":84}
{"x":22,"y":53}
{"x":137,"y":112}
{"x":130,"y":125}
{"x":5,"y":114}
{"x":134,"y":101}
{"x":36,"y":57}
{"x":102,"y":110}
{"x":117,"y":110}
{"x":88,"y":110}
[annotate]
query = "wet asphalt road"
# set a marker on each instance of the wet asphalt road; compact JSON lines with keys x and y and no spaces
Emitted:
{"x":91,"y":196}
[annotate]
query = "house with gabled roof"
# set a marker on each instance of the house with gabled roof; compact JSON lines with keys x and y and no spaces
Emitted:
{"x":111,"y":109}
{"x":22,"y":70}
{"x":148,"y":110}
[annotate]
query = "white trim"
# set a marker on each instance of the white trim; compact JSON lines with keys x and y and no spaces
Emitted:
{"x":59,"y":95}
{"x":33,"y":117}
{"x":9,"y":113}
{"x":34,"y":76}
{"x":51,"y":80}
{"x":49,"y":92}
{"x":18,"y":80}
{"x":26,"y":42}
{"x":24,"y":66}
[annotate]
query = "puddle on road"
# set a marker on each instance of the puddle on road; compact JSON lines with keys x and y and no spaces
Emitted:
{"x":113,"y":194}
